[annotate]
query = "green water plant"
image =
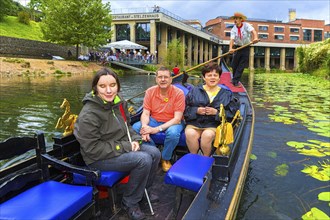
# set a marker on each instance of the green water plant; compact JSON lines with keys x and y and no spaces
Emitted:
{"x":282,"y":170}
{"x":315,"y":214}
{"x":320,"y":172}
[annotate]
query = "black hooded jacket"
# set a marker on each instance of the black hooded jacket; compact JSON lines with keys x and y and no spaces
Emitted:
{"x":197,"y":97}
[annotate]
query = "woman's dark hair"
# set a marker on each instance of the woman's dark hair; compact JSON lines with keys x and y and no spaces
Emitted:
{"x":104,"y":72}
{"x":210,"y":67}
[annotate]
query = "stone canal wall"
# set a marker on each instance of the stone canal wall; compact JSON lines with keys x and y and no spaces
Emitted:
{"x":17,"y":47}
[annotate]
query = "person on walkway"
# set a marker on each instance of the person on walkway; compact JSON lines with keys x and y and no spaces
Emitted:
{"x":108,"y":142}
{"x":163,"y":108}
{"x":202,"y":110}
{"x":176,"y":70}
{"x":240,"y":35}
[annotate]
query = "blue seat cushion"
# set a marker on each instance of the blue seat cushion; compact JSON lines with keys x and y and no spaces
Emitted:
{"x":107,"y":178}
{"x":159,"y":138}
{"x":189,"y":171}
{"x":48,"y":200}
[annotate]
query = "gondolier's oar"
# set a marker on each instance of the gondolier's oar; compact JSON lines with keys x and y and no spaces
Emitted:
{"x":199,"y":65}
{"x":213,"y":59}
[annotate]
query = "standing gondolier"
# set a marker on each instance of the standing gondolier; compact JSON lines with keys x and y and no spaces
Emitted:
{"x":240,"y":35}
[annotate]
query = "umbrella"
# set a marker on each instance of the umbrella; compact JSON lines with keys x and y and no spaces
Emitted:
{"x":125,"y":44}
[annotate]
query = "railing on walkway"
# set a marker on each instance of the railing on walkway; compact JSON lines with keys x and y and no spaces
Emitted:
{"x":160,"y":10}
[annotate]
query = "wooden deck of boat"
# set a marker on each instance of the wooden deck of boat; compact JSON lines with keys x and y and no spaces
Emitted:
{"x":164,"y":209}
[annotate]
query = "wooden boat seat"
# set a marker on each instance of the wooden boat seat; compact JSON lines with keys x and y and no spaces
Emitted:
{"x":28,"y":190}
{"x":189,"y":171}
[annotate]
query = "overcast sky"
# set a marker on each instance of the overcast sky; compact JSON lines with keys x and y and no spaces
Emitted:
{"x":205,"y":10}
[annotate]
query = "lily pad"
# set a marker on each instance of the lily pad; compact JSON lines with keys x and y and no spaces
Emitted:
{"x":315,"y":214}
{"x":311,"y":152}
{"x":282,"y":170}
{"x":272,"y":154}
{"x":253,"y":157}
{"x":295,"y":144}
{"x":324,"y":196}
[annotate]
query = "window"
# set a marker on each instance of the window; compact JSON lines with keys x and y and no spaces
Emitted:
{"x":259,"y":51}
{"x":317,"y":35}
{"x":294,"y":30}
{"x":227,"y":34}
{"x":278,"y":37}
{"x":275,"y":51}
{"x":263,"y":36}
{"x":279,"y":29}
{"x":307,"y":35}
{"x":122,"y":32}
{"x":142,"y":31}
{"x":294,"y":38}
{"x":289,"y":52}
{"x":326,"y":35}
{"x":263,"y":28}
{"x":229,"y":25}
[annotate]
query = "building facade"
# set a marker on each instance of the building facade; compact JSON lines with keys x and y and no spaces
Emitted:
{"x":155,"y":27}
{"x":278,"y":40}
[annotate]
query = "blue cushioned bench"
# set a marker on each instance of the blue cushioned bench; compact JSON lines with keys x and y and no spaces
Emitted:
{"x":107,"y":179}
{"x":48,"y":200}
{"x":28,"y":189}
{"x":188,"y":173}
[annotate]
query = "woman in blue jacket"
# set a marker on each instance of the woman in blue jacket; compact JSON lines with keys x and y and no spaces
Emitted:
{"x":202,"y":110}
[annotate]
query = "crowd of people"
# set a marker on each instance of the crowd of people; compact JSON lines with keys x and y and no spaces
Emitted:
{"x":130,"y":56}
{"x":109,"y":142}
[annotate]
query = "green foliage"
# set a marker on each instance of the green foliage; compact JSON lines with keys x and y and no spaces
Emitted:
{"x":174,"y":54}
{"x":26,"y":65}
{"x":10,"y":27}
{"x":150,"y":67}
{"x":13,"y":60}
{"x":35,"y":9}
{"x":5,"y":8}
{"x":23,"y":17}
{"x":315,"y":57}
{"x":77,"y":22}
{"x":9,"y":7}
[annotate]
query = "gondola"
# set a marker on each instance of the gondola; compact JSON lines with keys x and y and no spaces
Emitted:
{"x":219,"y":193}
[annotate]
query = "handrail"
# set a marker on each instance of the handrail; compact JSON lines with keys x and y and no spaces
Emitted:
{"x":199,"y":65}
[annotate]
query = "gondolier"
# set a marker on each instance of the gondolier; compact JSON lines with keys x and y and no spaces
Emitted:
{"x":240,"y":35}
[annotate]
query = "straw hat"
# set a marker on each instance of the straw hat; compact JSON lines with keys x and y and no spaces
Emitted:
{"x":238,"y":15}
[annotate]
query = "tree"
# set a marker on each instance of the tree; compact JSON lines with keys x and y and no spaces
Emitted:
{"x":174,"y":54}
{"x":35,"y":7}
{"x":76,"y":22}
{"x":6,"y":8}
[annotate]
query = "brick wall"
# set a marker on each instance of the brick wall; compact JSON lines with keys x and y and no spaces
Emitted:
{"x":17,"y":47}
{"x":219,"y":28}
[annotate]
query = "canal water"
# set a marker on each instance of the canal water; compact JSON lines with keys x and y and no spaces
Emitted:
{"x":291,"y":138}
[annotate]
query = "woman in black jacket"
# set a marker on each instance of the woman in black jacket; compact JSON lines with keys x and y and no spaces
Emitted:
{"x":202,"y":110}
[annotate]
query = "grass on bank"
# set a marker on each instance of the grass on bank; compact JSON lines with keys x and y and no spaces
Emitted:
{"x":10,"y":27}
